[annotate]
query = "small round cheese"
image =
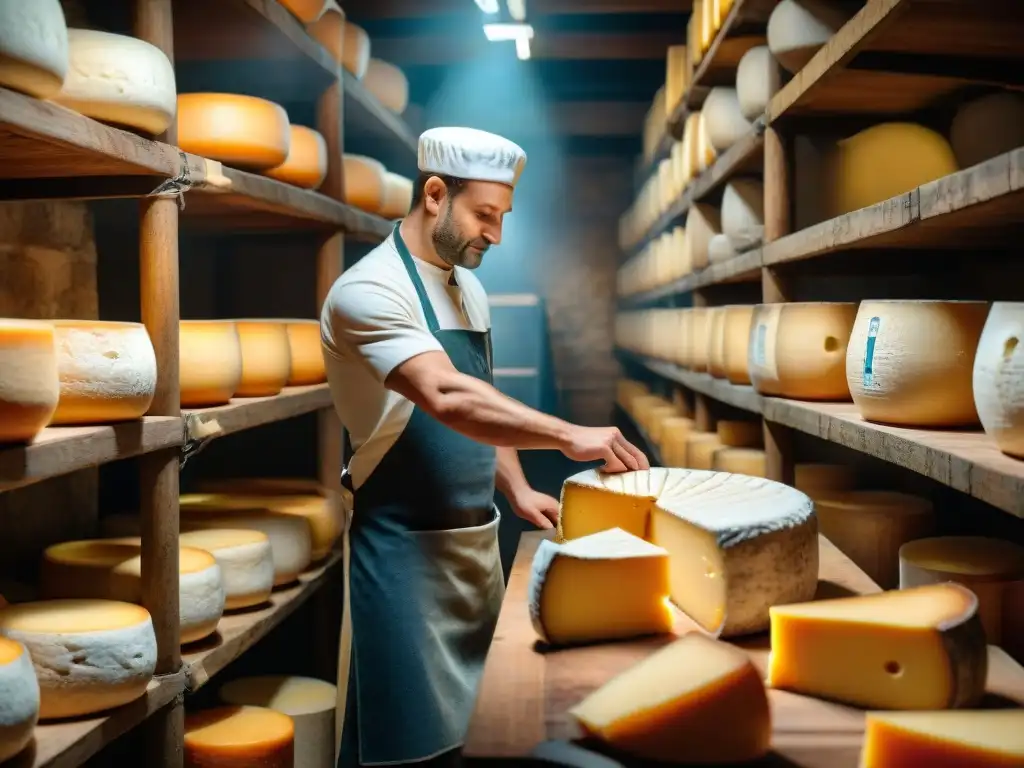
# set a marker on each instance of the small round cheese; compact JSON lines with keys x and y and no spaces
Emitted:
{"x":397,"y":199}
{"x":107,"y":371}
{"x":119,"y":80}
{"x":33,"y":46}
{"x":720,"y":249}
{"x":29,"y":383}
{"x":798,"y":28}
{"x":19,"y":698}
{"x":241,"y":131}
{"x":210,"y":361}
{"x":329,"y":29}
{"x":723,"y":120}
{"x":998,"y":377}
{"x":364,"y":182}
{"x":305,"y":10}
{"x":743,"y":213}
{"x":306,"y":352}
{"x":306,"y":166}
{"x":986,"y":127}
{"x":266,"y":357}
{"x":246,"y":563}
{"x":757,"y":80}
{"x":389,"y":84}
{"x":89,"y":655}
{"x":356,"y":57}
{"x":237,"y":737}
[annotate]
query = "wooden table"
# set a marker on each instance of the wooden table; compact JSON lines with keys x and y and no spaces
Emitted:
{"x":525,"y":691}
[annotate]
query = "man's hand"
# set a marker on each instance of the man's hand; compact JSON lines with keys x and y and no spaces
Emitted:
{"x":537,"y":508}
{"x":604,"y":444}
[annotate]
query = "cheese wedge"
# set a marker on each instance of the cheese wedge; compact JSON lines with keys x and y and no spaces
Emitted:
{"x":921,"y":648}
{"x":697,"y":700}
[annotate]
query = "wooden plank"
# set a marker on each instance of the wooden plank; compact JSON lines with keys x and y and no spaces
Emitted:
{"x":60,"y":450}
{"x":744,"y":267}
{"x":739,"y":396}
{"x":248,"y":412}
{"x":239,"y":631}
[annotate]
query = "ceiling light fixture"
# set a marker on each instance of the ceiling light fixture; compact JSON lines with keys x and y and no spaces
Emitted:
{"x":503,"y":32}
{"x":523,"y":48}
{"x":487,"y":6}
{"x":517,"y":9}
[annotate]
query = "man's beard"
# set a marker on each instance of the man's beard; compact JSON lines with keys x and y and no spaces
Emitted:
{"x":453,"y":248}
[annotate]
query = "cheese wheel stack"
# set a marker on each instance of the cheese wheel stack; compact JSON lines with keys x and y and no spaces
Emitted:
{"x":29,"y":381}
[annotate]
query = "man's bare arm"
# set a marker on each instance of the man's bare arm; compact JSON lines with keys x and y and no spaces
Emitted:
{"x":510,"y":479}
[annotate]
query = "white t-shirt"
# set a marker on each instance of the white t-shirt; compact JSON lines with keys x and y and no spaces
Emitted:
{"x":370,"y":324}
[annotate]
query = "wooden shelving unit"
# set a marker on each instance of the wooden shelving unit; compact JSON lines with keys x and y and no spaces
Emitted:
{"x":48,"y":152}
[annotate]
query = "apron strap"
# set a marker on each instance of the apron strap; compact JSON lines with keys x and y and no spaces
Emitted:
{"x":414,"y":275}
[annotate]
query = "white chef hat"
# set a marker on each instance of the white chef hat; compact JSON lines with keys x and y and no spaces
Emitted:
{"x":467,"y":153}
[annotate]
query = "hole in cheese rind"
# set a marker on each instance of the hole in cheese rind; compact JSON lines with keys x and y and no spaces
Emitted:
{"x":998,"y":377}
{"x":696,"y":700}
{"x":953,"y":739}
{"x":29,"y":381}
{"x":19,"y":695}
{"x":838,"y":649}
{"x":238,"y":737}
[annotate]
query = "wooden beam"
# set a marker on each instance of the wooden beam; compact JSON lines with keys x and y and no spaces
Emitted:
{"x":417,"y":9}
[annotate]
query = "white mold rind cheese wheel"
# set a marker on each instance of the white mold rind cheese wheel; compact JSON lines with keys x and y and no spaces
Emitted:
{"x":364,"y":182}
{"x":210,"y":359}
{"x":798,"y":28}
{"x":241,"y":131}
{"x":724,"y":123}
{"x":986,"y":127}
{"x":743,"y":213}
{"x":246,"y":563}
{"x":306,"y":166}
{"x":356,"y":58}
{"x":998,"y":377}
{"x":89,"y":655}
{"x":107,"y":371}
{"x":33,"y":46}
{"x":911,"y":362}
{"x":266,"y":357}
{"x":389,"y":84}
{"x":757,"y":79}
{"x":119,"y":80}
{"x":307,"y":357}
{"x":29,"y":383}
{"x":397,"y":196}
{"x":19,"y":698}
{"x":720,"y":249}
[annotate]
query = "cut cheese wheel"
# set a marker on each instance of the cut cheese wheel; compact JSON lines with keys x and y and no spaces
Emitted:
{"x":310,"y":703}
{"x":242,"y":131}
{"x":29,"y":383}
{"x":743,"y":213}
{"x":720,"y":249}
{"x":695,"y":701}
{"x":988,"y":738}
{"x":736,"y":544}
{"x":609,"y":585}
{"x":871,"y":526}
{"x":700,"y":448}
{"x":305,"y":352}
{"x":815,"y":479}
{"x":246,"y":563}
{"x":305,"y":10}
{"x":723,"y":120}
{"x":107,"y":371}
{"x":210,"y":360}
{"x":388,"y":83}
{"x":365,"y":179}
{"x":716,"y":335}
{"x":356,"y":58}
{"x":674,"y":432}
{"x":119,"y":80}
{"x":741,"y":461}
{"x":89,"y":655}
{"x":702,"y":223}
{"x":19,"y":692}
{"x":397,"y":197}
{"x":266,"y":357}
{"x":998,"y":377}
{"x":799,"y":350}
{"x":736,"y":343}
{"x":985,"y":566}
{"x":239,"y":737}
{"x":757,"y":79}
{"x":112,"y":570}
{"x":306,"y":164}
{"x":33,"y":46}
{"x":912,"y":362}
{"x":798,"y":28}
{"x":986,"y":127}
{"x":920,"y":648}
{"x":329,"y":30}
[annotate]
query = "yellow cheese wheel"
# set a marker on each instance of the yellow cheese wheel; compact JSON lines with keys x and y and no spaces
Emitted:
{"x":397,"y":196}
{"x":305,"y":10}
{"x":239,"y":737}
{"x":364,"y":182}
{"x":716,"y":339}
{"x":266,"y":357}
{"x":674,"y":432}
{"x":29,"y":382}
{"x":697,"y":339}
{"x":33,"y":46}
{"x":107,"y":371}
{"x":306,"y":165}
{"x":700,"y":448}
{"x":241,"y":131}
{"x":389,"y":84}
{"x":307,"y":357}
{"x":736,"y":343}
{"x":740,"y":461}
{"x":998,"y":377}
{"x":210,"y":362}
{"x":329,"y":30}
{"x":356,"y":57}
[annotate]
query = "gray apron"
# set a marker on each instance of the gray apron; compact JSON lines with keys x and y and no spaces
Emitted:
{"x":423,"y":579}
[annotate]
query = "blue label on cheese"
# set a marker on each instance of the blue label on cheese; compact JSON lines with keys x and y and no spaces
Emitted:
{"x":869,"y":354}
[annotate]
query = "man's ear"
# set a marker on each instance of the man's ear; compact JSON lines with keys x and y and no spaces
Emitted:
{"x":434,"y":192}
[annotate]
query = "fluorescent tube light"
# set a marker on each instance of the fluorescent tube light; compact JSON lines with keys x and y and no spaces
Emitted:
{"x":517,"y":9}
{"x":487,"y":6}
{"x":501,"y":32}
{"x":523,"y":48}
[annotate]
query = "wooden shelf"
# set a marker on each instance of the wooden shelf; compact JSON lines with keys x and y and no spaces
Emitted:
{"x":740,"y":396}
{"x":372,"y":129}
{"x":650,"y":448}
{"x":69,"y":744}
{"x":239,"y":631}
{"x":247,"y":412}
{"x":59,"y":450}
{"x":744,"y":267}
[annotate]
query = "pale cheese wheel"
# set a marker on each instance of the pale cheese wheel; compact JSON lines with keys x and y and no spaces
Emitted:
{"x":986,"y":127}
{"x":119,"y":80}
{"x":309,"y":702}
{"x":246,"y":563}
{"x":210,"y":362}
{"x":19,"y":693}
{"x":757,"y":79}
{"x":111,"y":569}
{"x":29,"y":382}
{"x":107,"y":371}
{"x":674,"y":432}
{"x":329,"y":30}
{"x":356,"y":58}
{"x":740,"y":461}
{"x":241,"y":131}
{"x":306,"y":164}
{"x":716,"y":339}
{"x":720,"y":249}
{"x":703,"y":222}
{"x":742,"y":213}
{"x":912,"y":362}
{"x":397,"y":197}
{"x":266,"y":357}
{"x":238,"y":737}
{"x":33,"y":46}
{"x":305,"y":10}
{"x":305,"y":353}
{"x":799,"y":350}
{"x":798,"y":28}
{"x":814,"y":479}
{"x":364,"y":182}
{"x":656,"y":419}
{"x":998,"y":377}
{"x":736,"y":343}
{"x":697,"y":339}
{"x":388,"y":83}
{"x":723,"y":120}
{"x":88,"y":655}
{"x":700,"y":449}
